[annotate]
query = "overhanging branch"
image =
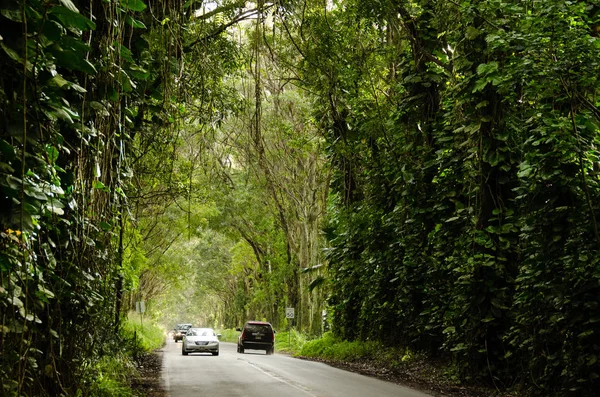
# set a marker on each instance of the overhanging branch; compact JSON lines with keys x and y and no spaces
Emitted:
{"x":242,"y":16}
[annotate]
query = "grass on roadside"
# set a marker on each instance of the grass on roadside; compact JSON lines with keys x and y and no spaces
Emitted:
{"x":145,"y":336}
{"x":228,"y":335}
{"x":113,"y":373}
{"x":111,"y":376}
{"x":331,"y":348}
{"x":328,"y":347}
{"x":290,"y":341}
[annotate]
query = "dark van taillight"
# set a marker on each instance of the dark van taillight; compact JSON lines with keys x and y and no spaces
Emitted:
{"x":243,"y":334}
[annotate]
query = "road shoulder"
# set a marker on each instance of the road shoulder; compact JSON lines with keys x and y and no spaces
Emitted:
{"x":148,"y":383}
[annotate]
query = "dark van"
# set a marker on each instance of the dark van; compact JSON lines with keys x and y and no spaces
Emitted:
{"x":256,"y":335}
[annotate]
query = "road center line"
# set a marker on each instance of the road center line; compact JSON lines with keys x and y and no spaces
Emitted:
{"x":281,"y":379}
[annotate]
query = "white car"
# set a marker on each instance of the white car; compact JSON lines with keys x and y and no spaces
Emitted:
{"x":200,"y":340}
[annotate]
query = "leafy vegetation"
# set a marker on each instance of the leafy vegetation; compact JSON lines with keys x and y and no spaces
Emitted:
{"x":290,"y":341}
{"x":72,"y":96}
{"x":463,"y":136}
{"x":144,"y":336}
{"x":228,"y":335}
{"x":111,"y":377}
{"x":424,"y":171}
{"x":331,"y":348}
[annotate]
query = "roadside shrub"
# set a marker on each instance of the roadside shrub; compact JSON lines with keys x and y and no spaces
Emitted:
{"x":111,"y":376}
{"x":144,"y":336}
{"x":290,"y":341}
{"x":332,"y":348}
{"x":228,"y":335}
{"x":317,"y":347}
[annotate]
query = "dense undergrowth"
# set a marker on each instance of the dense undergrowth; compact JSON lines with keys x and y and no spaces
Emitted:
{"x":143,"y":335}
{"x":113,"y":373}
{"x":228,"y":335}
{"x":416,"y":369}
{"x":330,"y":347}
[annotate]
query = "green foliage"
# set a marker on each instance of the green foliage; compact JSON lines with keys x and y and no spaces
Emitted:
{"x":461,"y":144}
{"x":464,"y":206}
{"x":291,"y":341}
{"x":144,"y":333}
{"x":228,"y":335}
{"x":111,"y":377}
{"x":317,"y":347}
{"x":335,"y":349}
{"x":70,"y":92}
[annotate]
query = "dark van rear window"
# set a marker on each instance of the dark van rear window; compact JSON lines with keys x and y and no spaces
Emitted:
{"x":262,"y":328}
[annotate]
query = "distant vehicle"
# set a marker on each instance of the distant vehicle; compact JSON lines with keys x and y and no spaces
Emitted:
{"x":200,"y":340}
{"x":180,"y":330}
{"x":256,"y":335}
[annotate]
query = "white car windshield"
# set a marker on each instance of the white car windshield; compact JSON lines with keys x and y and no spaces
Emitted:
{"x":201,"y":332}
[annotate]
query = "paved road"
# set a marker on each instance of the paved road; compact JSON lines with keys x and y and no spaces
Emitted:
{"x":255,"y":374}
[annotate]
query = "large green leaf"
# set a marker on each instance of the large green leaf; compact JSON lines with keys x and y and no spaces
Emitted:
{"x":15,"y":56}
{"x":69,"y":4}
{"x":52,"y":153}
{"x":124,"y":52}
{"x":134,"y":5}
{"x":135,"y":23}
{"x":138,"y":73}
{"x":126,"y":82}
{"x":15,"y":15}
{"x":58,"y":80}
{"x":73,"y":60}
{"x":53,"y":30}
{"x":71,"y":19}
{"x":35,"y":191}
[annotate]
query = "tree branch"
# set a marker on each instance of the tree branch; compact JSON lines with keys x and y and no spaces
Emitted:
{"x":242,"y":16}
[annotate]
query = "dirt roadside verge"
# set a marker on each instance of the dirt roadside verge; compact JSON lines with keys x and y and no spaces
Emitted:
{"x":418,"y":374}
{"x":149,"y":380}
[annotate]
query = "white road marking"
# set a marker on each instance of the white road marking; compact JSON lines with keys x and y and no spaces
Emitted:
{"x":281,"y":379}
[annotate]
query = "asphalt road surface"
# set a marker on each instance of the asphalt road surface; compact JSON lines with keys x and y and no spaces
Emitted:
{"x":255,"y":374}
